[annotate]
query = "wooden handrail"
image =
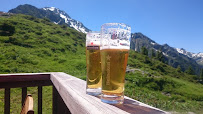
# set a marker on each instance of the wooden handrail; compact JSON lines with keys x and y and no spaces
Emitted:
{"x":24,"y":80}
{"x":69,"y":95}
{"x":73,"y":92}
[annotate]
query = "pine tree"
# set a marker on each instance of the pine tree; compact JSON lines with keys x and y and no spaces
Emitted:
{"x":146,"y":60}
{"x":201,"y":75}
{"x":144,"y":51}
{"x":153,"y":53}
{"x":179,"y":69}
{"x":160,"y":56}
{"x":190,"y":71}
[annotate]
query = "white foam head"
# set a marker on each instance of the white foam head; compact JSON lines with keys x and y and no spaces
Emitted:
{"x":115,"y":36}
{"x":93,"y":38}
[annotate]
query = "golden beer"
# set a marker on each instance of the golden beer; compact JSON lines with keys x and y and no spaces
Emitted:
{"x":93,"y":60}
{"x":114,"y":62}
{"x":114,"y":44}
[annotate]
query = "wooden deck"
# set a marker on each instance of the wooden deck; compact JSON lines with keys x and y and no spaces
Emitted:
{"x":69,"y":95}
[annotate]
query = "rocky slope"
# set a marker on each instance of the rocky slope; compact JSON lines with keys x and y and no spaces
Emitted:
{"x":173,"y":57}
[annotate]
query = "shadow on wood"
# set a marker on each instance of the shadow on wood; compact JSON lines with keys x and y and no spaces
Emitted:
{"x":133,"y":106}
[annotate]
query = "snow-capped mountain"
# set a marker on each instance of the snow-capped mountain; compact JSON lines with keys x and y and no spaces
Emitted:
{"x":172,"y":56}
{"x":198,"y":57}
{"x":68,"y":20}
{"x":54,"y":14}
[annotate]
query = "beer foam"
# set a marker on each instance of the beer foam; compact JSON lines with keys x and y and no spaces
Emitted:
{"x":93,"y":38}
{"x":115,"y":47}
{"x":115,"y":36}
{"x":108,"y":43}
{"x":93,"y":43}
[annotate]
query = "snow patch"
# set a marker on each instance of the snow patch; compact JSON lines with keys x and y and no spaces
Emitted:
{"x":44,"y":8}
{"x":199,"y":55}
{"x":51,"y":8}
{"x":83,"y":30}
{"x":153,"y":43}
{"x":164,"y":54}
{"x":69,"y":21}
{"x":179,"y":50}
{"x":189,"y":54}
{"x":64,"y":17}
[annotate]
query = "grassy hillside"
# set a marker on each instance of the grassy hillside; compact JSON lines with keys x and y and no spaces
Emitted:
{"x":162,"y":86}
{"x":29,"y":44}
{"x":40,"y":46}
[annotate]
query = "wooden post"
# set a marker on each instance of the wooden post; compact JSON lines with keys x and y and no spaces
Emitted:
{"x":39,"y":99}
{"x":59,"y":107}
{"x":54,"y":100}
{"x":7,"y":101}
{"x":24,"y":93}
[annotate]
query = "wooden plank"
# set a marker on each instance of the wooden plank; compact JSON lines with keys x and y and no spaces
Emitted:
{"x":39,"y":99}
{"x":24,"y":94}
{"x":22,"y":77}
{"x":25,"y":84}
{"x":54,"y":100}
{"x":59,"y":107}
{"x":7,"y":101}
{"x":73,"y":92}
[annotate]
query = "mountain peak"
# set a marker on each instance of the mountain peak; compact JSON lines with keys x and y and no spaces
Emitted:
{"x":64,"y":17}
{"x":26,"y":5}
{"x":138,"y":35}
{"x":50,"y":8}
{"x":166,"y":45}
{"x":56,"y":15}
{"x":198,"y":57}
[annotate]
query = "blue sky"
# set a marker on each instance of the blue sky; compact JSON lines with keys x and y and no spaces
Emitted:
{"x":178,"y":23}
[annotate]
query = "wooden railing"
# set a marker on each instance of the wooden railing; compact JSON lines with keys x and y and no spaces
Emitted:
{"x":69,"y":95}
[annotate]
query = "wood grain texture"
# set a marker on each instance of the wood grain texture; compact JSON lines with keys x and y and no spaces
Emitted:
{"x":28,"y":105}
{"x":73,"y":92}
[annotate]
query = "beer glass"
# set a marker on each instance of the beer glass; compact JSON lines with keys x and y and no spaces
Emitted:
{"x":115,"y":44}
{"x":93,"y":60}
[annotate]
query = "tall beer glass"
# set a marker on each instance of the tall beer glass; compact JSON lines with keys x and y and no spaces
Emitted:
{"x":93,"y":60}
{"x":115,"y":44}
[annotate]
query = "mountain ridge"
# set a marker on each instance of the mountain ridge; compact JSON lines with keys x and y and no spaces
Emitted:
{"x":171,"y":55}
{"x":198,"y":57}
{"x":54,"y":14}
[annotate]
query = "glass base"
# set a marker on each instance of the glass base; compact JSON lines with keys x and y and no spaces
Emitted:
{"x":93,"y":91}
{"x":112,"y":99}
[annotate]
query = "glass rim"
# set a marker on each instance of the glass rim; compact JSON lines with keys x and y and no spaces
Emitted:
{"x":111,"y":24}
{"x":94,"y":32}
